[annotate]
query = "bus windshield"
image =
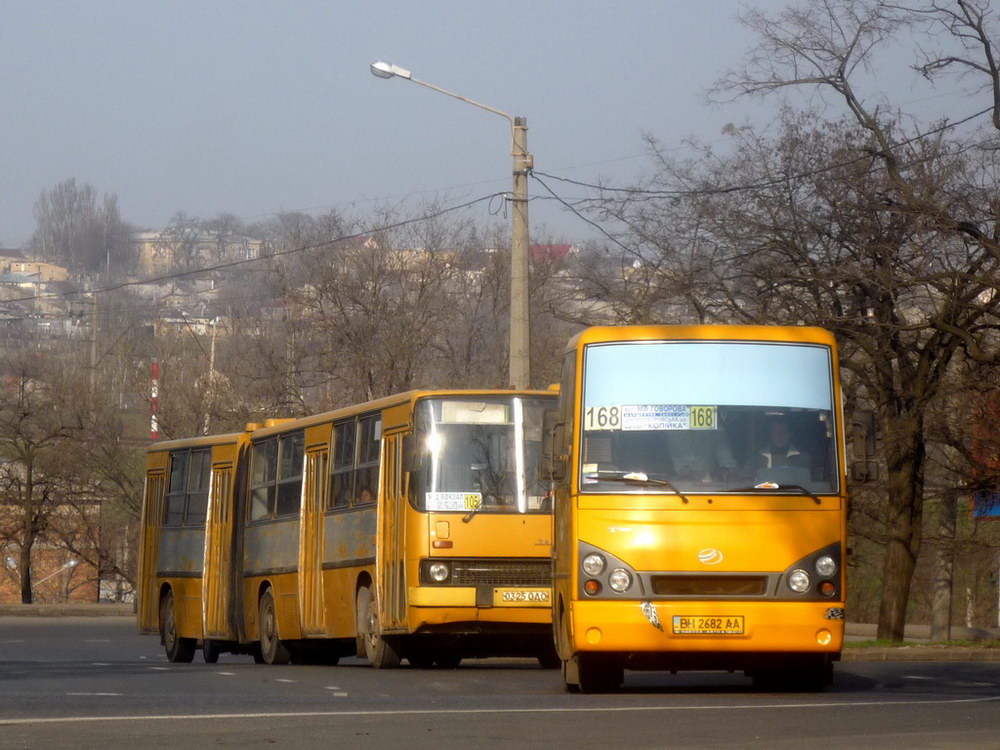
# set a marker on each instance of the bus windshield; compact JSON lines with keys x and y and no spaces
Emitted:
{"x":479,"y":455}
{"x":690,"y":416}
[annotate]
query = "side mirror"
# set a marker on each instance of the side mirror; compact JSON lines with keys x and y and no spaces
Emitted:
{"x":553,"y":440}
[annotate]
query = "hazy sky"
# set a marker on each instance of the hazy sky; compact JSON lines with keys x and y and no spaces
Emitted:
{"x":253,"y":108}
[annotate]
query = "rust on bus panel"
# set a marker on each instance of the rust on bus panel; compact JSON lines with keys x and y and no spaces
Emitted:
{"x":182,"y":550}
{"x":272,"y":546}
{"x":349,"y":538}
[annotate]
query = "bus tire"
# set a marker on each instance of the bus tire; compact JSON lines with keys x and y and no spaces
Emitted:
{"x":598,"y":673}
{"x":210,"y":651}
{"x":272,"y":650}
{"x":179,"y":650}
{"x":377,"y":650}
{"x":548,"y":657}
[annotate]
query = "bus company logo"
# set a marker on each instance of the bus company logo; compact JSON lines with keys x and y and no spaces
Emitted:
{"x":710,"y":556}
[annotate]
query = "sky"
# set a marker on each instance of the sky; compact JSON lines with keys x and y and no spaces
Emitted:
{"x":255,"y":108}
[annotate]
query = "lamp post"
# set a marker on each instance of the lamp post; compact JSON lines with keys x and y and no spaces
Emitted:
{"x":520,"y":365}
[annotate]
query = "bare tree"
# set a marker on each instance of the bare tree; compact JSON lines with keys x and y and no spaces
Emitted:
{"x":75,"y":232}
{"x":37,"y":414}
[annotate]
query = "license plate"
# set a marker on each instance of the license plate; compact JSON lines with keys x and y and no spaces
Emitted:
{"x":708,"y":625}
{"x":521,"y":597}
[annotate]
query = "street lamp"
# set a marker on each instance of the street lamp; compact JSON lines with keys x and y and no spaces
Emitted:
{"x":520,"y":365}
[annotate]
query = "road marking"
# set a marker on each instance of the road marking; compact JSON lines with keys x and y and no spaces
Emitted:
{"x":284,"y":680}
{"x":106,"y":695}
{"x":227,"y":674}
{"x":486,"y":711}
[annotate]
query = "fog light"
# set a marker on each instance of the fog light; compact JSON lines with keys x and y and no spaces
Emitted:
{"x":826,"y":566}
{"x":593,"y":565}
{"x":438,"y":572}
{"x":824,"y":637}
{"x":798,"y":581}
{"x":827,"y":588}
{"x":620,"y":580}
{"x":592,"y":587}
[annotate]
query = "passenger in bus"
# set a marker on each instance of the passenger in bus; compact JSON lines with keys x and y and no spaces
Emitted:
{"x":781,"y":449}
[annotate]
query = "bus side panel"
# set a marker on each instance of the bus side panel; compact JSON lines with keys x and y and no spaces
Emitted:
{"x":348,"y":554}
{"x":271,"y":556}
{"x":152,"y":515}
{"x":181,"y":556}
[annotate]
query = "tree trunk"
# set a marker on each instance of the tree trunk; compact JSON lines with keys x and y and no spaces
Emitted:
{"x":24,"y":566}
{"x":905,"y":459}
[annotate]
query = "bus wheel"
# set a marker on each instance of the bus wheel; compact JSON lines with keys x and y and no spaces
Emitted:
{"x":272,"y":650}
{"x":599,"y":674}
{"x":548,"y":658}
{"x":379,"y":653}
{"x":210,"y":651}
{"x":178,"y":649}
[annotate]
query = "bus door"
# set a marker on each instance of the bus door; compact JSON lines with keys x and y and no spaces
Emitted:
{"x":216,"y":593}
{"x":311,"y":608}
{"x":152,"y":519}
{"x":390,"y":548}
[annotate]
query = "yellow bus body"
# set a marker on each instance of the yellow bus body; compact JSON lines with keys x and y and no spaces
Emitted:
{"x":706,"y":618}
{"x":292,"y":577}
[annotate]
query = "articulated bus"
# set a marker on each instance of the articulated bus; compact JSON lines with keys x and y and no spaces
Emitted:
{"x":416,"y":526}
{"x":700,"y":506}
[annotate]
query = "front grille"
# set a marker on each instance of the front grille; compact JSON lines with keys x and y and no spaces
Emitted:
{"x":501,"y":573}
{"x":721,"y":585}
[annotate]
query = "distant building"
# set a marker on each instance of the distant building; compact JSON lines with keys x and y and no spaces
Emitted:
{"x":179,"y":249}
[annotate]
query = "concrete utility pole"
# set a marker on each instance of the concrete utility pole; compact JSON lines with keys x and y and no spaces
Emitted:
{"x":520,"y":362}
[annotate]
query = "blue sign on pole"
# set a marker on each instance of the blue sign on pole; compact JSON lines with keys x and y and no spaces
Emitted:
{"x":986,"y":505}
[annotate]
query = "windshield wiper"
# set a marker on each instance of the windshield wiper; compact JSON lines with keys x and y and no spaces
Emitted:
{"x":634,"y":477}
{"x":775,"y":486}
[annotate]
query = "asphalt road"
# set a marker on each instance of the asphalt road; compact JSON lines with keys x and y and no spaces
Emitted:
{"x":95,"y":683}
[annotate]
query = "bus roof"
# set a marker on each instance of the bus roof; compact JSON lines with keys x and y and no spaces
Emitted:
{"x":601,"y":334}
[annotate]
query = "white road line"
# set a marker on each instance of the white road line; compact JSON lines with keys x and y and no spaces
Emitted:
{"x":227,"y":674}
{"x":284,"y":680}
{"x":107,"y":695}
{"x":496,"y":711}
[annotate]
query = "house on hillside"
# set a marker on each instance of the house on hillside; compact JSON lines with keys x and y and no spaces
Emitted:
{"x":181,"y":249}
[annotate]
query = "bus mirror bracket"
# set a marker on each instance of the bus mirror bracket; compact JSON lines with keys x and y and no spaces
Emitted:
{"x":411,"y":456}
{"x":553,"y":462}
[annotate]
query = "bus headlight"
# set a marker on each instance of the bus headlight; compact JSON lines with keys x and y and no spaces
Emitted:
{"x":593,"y":564}
{"x":798,"y":581}
{"x":438,"y":572}
{"x":620,"y":580}
{"x":826,"y":566}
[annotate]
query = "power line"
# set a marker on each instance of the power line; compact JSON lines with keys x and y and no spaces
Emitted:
{"x":247,"y":261}
{"x":723,"y":190}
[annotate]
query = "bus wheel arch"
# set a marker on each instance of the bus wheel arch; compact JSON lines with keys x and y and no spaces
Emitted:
{"x":380,"y":653}
{"x":179,"y":650}
{"x":272,"y":650}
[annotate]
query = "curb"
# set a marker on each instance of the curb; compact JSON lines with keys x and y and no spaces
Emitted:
{"x":921,"y":653}
{"x":67,"y":610}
